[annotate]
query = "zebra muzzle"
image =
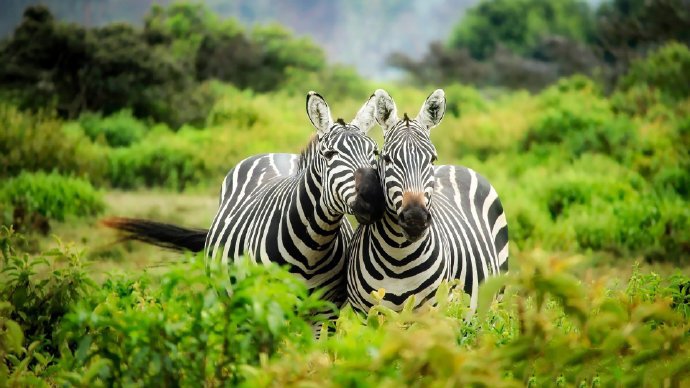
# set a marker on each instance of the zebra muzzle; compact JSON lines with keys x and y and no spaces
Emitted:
{"x":414,"y":220}
{"x":369,"y":205}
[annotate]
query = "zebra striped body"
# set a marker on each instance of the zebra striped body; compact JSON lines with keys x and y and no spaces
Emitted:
{"x":441,"y":223}
{"x":267,"y":213}
{"x":289,"y":209}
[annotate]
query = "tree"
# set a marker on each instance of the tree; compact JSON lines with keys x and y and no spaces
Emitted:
{"x":520,"y":25}
{"x":76,"y":69}
{"x":627,"y":29}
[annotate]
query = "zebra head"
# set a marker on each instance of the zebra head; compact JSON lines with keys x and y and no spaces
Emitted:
{"x":346,"y":159}
{"x":407,"y":161}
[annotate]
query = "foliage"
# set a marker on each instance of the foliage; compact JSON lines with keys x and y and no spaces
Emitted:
{"x":161,"y":159}
{"x":36,"y":293}
{"x":629,"y":28}
{"x":38,"y":142}
{"x":551,"y":329}
{"x":191,"y":329}
{"x":654,"y":227}
{"x":337,"y":81}
{"x":52,"y":195}
{"x":579,"y":121}
{"x":259,"y":59}
{"x":157,"y":72}
{"x":118,"y":130}
{"x":101,"y":69}
{"x":520,"y":25}
{"x":182,"y":327}
{"x":666,"y":71}
{"x":532,"y":43}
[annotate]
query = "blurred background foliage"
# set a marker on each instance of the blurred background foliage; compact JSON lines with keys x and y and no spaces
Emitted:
{"x":596,"y":160}
{"x":578,"y":113}
{"x":531,"y":43}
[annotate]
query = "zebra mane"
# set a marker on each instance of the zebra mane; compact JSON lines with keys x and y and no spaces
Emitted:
{"x":307,"y":152}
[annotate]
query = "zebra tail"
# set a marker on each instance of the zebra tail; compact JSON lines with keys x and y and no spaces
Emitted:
{"x":158,"y":233}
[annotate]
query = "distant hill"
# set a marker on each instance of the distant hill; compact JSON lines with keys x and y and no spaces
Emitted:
{"x":356,"y":32}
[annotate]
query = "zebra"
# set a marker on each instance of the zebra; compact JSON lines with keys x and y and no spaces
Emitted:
{"x":289,"y":209}
{"x":441,"y":222}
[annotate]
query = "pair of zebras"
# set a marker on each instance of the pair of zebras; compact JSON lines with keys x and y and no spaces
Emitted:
{"x":420,"y":224}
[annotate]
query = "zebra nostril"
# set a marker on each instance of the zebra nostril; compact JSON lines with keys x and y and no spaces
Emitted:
{"x":401,"y":217}
{"x":428,"y":217}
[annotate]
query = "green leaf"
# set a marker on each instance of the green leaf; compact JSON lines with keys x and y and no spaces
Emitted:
{"x":487,"y":293}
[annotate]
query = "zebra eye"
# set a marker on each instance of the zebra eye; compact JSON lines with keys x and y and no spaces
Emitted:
{"x":329,"y":154}
{"x":434,"y":158}
{"x":386,"y":158}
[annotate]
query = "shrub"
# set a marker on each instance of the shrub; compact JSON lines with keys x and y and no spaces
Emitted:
{"x":588,"y":180}
{"x":235,"y":108}
{"x":653,"y":227}
{"x":482,"y":126}
{"x":169,"y":161}
{"x":461,"y":99}
{"x":36,"y":296}
{"x":182,"y":327}
{"x":552,"y":329}
{"x":665,"y":71}
{"x":120,"y":129}
{"x":580,"y":122}
{"x":249,"y":324}
{"x":52,"y":195}
{"x":662,"y":153}
{"x":336,"y":82}
{"x":38,"y":142}
{"x":191,"y":330}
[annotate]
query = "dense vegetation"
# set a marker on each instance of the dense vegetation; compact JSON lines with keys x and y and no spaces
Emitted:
{"x":594,"y":177}
{"x":187,"y":328}
{"x":532,"y":43}
{"x":159,"y":71}
{"x":335,"y":24}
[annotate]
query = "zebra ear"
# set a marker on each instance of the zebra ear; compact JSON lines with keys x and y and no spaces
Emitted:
{"x":433,"y":109}
{"x":386,"y":112}
{"x":319,"y":113}
{"x":364,"y":119}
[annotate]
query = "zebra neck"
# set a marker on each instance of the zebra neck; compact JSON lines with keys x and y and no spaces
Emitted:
{"x":311,"y":222}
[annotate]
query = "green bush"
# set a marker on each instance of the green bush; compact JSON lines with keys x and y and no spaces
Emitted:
{"x":249,"y":324}
{"x":39,"y":142}
{"x":588,"y":180}
{"x":551,"y":330}
{"x":171,"y":161}
{"x":186,"y":326}
{"x":120,"y":129}
{"x":665,"y":71}
{"x":580,"y":122}
{"x":661,"y":155}
{"x":190,"y":330}
{"x":36,"y":294}
{"x":653,"y":227}
{"x":235,"y":109}
{"x":461,"y":99}
{"x":336,"y":81}
{"x":52,"y":195}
